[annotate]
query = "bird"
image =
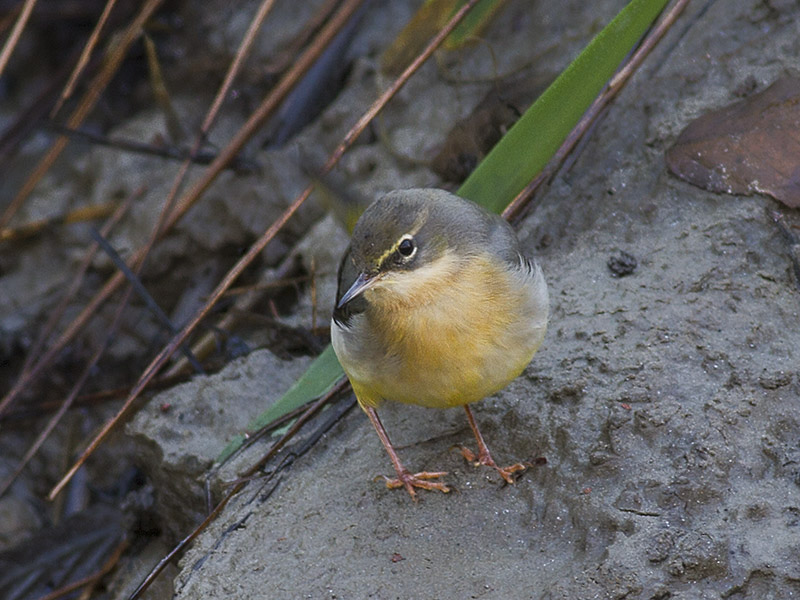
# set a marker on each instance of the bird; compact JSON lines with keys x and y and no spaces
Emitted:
{"x":437,"y":306}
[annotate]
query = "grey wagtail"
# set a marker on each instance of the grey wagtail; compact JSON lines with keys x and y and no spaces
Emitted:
{"x":436,"y":306}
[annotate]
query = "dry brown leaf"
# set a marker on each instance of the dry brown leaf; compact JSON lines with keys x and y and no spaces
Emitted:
{"x":471,"y":138}
{"x":750,"y":146}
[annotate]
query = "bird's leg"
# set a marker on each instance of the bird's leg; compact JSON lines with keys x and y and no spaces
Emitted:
{"x":484,"y":457}
{"x":404,"y":477}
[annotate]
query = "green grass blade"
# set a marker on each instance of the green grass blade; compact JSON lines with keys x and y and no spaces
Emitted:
{"x":515,"y":160}
{"x":531,"y":142}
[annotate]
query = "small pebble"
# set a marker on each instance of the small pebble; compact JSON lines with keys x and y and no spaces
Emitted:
{"x":622,"y":264}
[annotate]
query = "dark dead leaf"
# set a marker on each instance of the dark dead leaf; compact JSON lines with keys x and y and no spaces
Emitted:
{"x":750,"y":146}
{"x":471,"y":138}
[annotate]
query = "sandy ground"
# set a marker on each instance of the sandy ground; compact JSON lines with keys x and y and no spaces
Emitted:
{"x":665,"y":402}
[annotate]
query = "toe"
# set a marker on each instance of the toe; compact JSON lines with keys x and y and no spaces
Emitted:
{"x":418,"y":480}
{"x":507,"y":473}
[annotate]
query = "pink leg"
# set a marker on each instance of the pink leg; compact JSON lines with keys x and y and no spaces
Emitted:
{"x":484,"y":457}
{"x":404,"y":477}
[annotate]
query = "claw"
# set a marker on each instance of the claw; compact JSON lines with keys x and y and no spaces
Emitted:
{"x":486,"y":460}
{"x":420,"y":480}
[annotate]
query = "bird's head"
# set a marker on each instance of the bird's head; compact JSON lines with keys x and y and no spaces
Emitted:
{"x":409,"y":239}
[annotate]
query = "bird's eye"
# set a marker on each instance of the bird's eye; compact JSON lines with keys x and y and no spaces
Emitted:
{"x":406,"y":247}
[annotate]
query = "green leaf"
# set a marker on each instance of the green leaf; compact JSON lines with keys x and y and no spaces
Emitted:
{"x":534,"y":139}
{"x":515,"y":160}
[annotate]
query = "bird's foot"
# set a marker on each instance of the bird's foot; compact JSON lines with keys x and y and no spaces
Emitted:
{"x":485,"y":459}
{"x":417,"y":480}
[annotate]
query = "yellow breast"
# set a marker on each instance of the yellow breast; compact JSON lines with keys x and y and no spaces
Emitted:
{"x":447,"y":334}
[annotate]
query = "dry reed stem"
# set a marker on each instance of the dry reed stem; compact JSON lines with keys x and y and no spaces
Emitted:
{"x":89,"y":580}
{"x":16,"y":34}
{"x":162,"y":225}
{"x":240,"y":483}
{"x":67,"y":403}
{"x":77,"y":280}
{"x":285,"y":57}
{"x":236,"y":66}
{"x":83,"y":59}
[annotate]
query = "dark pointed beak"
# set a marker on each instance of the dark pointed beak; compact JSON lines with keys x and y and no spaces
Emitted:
{"x":362,"y":282}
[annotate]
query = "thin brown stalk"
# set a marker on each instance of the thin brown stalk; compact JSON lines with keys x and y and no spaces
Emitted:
{"x":8,"y":19}
{"x":76,"y":388}
{"x":240,"y":483}
{"x":236,"y":66}
{"x":286,"y":56}
{"x":246,"y":300}
{"x":233,"y":70}
{"x":76,"y":281}
{"x":16,"y":33}
{"x":83,"y":60}
{"x":256,"y":249}
{"x":398,"y":83}
{"x":27,"y":377}
{"x":35,"y":412}
{"x":615,"y":85}
{"x":88,"y":102}
{"x":267,"y":107}
{"x":92,"y":579}
{"x":158,"y":87}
